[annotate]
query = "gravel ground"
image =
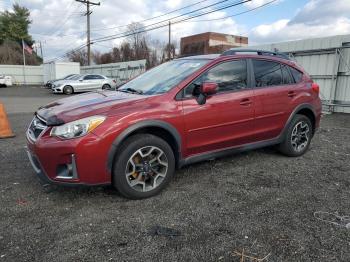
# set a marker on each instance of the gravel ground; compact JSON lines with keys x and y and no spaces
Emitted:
{"x":258,"y":202}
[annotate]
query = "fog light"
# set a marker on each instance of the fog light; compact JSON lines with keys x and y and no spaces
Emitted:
{"x":68,"y":170}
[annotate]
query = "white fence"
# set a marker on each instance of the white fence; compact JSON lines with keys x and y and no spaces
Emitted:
{"x":33,"y":74}
{"x":120,"y":71}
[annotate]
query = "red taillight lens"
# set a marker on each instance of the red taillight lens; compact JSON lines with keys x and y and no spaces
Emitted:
{"x":315,"y":87}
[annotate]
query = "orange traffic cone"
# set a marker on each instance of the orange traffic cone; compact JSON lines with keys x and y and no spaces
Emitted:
{"x":5,"y":129}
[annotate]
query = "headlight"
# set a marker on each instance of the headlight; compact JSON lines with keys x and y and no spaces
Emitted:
{"x":77,"y":128}
{"x":58,"y":85}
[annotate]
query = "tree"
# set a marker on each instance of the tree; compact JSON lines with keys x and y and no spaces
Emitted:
{"x":11,"y":54}
{"x":14,"y":25}
{"x":79,"y":56}
{"x":136,"y":46}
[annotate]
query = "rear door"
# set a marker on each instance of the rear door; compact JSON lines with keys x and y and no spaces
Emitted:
{"x":226,"y":119}
{"x":86,"y":83}
{"x":97,"y":81}
{"x":274,"y":93}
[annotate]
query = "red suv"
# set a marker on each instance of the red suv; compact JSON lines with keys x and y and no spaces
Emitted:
{"x":183,"y":111}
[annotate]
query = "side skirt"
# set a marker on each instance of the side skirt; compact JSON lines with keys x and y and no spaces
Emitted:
{"x":228,"y":151}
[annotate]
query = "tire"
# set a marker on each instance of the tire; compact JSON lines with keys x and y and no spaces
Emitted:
{"x":106,"y":87}
{"x":68,"y":90}
{"x":295,"y":143}
{"x":139,"y":185}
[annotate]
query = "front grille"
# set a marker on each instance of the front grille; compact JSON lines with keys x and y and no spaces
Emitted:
{"x":36,"y":127}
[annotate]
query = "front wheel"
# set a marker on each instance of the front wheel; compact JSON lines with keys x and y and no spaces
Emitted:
{"x":298,"y":136}
{"x":143,"y":166}
{"x":68,"y":90}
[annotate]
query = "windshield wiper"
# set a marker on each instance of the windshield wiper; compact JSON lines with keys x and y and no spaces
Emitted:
{"x":131,"y":90}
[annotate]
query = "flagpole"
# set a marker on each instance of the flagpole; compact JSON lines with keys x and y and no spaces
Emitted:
{"x":24,"y":64}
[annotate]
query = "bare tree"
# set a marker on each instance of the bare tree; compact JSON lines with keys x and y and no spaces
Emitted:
{"x":79,"y":56}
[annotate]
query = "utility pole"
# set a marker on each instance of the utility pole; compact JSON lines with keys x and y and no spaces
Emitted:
{"x":88,"y":13}
{"x":41,"y":51}
{"x":169,"y":51}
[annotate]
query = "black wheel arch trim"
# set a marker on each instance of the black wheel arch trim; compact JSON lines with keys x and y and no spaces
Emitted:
{"x":140,"y":125}
{"x":294,"y":112}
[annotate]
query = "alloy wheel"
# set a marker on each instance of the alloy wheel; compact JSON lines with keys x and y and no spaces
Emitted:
{"x":300,"y":136}
{"x":146,"y":168}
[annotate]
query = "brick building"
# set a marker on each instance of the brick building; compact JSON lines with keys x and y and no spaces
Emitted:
{"x":210,"y":43}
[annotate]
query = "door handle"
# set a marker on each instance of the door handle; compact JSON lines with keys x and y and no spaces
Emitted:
{"x":291,"y":94}
{"x":245,"y":102}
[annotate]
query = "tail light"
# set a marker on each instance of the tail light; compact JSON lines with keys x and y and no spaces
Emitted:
{"x":114,"y":81}
{"x":315,"y":87}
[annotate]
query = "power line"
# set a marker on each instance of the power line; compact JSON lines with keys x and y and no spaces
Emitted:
{"x":154,"y":28}
{"x":88,"y":13}
{"x":167,"y":20}
{"x":111,"y":37}
{"x":59,"y":27}
{"x":237,"y":14}
{"x":186,"y":20}
{"x":151,"y":18}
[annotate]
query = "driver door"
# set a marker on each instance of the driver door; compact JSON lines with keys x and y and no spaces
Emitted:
{"x":226,"y":119}
{"x":87,"y":83}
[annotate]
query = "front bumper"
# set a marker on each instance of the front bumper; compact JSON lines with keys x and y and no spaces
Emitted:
{"x":56,"y":90}
{"x":74,"y":162}
{"x":44,"y":178}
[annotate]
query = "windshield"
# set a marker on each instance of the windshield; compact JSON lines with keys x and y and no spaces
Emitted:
{"x":69,"y":76}
{"x":75,"y":77}
{"x":163,"y":77}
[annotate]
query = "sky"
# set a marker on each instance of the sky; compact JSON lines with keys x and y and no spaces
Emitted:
{"x":61,"y":25}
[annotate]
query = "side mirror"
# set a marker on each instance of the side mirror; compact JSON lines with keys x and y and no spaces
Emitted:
{"x":207,"y":89}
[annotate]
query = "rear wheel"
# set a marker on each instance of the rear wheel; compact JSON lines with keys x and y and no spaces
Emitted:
{"x":106,"y":87}
{"x":143,"y":166}
{"x":298,"y":136}
{"x":68,"y":90}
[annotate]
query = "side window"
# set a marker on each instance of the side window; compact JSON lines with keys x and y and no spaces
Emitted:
{"x":98,"y":77}
{"x":267,"y":73}
{"x":88,"y":77}
{"x":287,"y":78}
{"x":230,"y":76}
{"x":297,"y":75}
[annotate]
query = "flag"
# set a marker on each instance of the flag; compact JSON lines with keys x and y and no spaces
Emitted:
{"x":27,"y":47}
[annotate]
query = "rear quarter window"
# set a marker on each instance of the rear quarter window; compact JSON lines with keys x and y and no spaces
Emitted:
{"x":297,"y":75}
{"x":267,"y":73}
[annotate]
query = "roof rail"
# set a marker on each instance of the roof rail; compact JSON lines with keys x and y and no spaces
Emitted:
{"x":235,"y":51}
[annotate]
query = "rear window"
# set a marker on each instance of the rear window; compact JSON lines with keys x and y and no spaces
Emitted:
{"x":287,"y":78}
{"x":297,"y":75}
{"x":267,"y":73}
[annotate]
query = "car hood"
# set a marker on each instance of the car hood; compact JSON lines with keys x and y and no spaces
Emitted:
{"x":84,"y":105}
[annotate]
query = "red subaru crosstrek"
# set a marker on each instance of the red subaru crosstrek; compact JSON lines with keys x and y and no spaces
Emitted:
{"x":183,"y":111}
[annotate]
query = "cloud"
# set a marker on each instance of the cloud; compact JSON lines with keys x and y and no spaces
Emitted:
{"x":318,"y":18}
{"x":317,"y":12}
{"x":257,"y":3}
{"x":61,"y":24}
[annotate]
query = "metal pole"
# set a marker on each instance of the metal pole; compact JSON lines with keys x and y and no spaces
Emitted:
{"x":88,"y":13}
{"x":41,"y":51}
{"x":88,"y":30}
{"x":24,"y":64}
{"x":169,"y":51}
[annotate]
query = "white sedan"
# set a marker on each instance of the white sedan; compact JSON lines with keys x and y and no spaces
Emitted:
{"x":5,"y":81}
{"x":83,"y":83}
